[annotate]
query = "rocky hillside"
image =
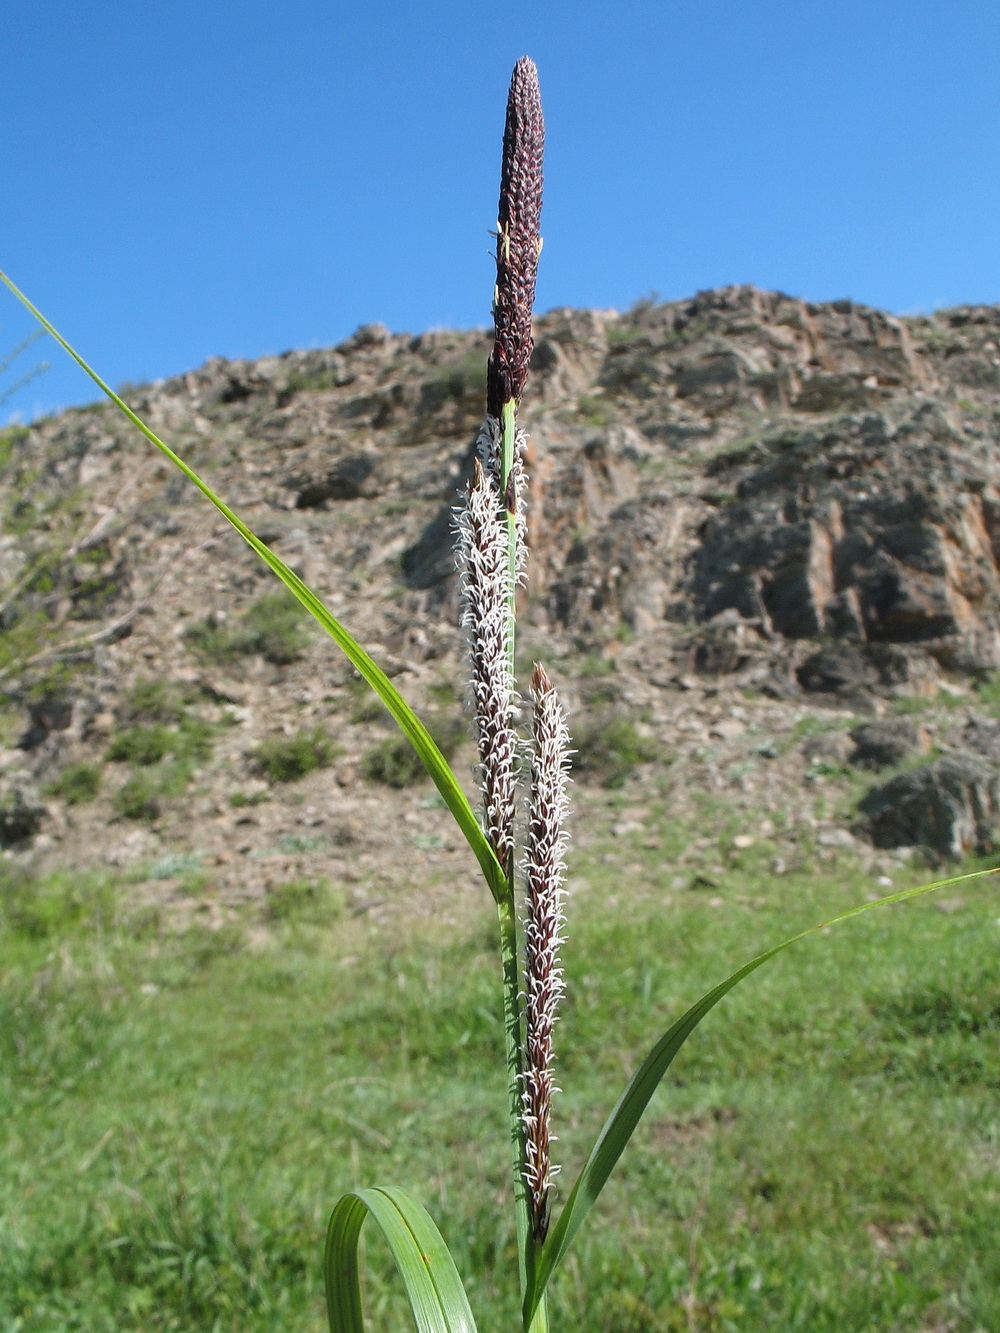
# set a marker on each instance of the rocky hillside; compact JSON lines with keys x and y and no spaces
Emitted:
{"x":765,"y":540}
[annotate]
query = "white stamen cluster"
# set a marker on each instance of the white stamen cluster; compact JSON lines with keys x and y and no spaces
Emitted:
{"x":544,"y":865}
{"x":483,"y":561}
{"x":489,"y":449}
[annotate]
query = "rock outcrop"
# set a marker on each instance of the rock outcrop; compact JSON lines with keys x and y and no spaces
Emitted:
{"x":950,"y":806}
{"x":738,"y":491}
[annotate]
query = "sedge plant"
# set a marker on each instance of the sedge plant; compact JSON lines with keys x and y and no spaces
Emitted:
{"x":527,"y":889}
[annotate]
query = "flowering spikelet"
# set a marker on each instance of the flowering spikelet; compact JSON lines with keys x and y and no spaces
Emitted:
{"x":518,"y":240}
{"x":482,"y":559}
{"x":488,"y":447}
{"x":544,"y":866}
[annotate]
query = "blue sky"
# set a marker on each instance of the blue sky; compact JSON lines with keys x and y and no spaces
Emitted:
{"x":187,"y":179}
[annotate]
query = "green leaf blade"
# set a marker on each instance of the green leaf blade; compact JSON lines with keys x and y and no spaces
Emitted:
{"x":628,"y":1110}
{"x":423,"y":1261}
{"x":340,"y":1266}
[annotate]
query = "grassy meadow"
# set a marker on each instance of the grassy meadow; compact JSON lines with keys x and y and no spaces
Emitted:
{"x":182,"y":1110}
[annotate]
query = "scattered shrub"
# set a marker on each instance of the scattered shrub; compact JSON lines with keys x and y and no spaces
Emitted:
{"x":139,"y":798}
{"x":175,"y":865}
{"x":274,"y":626}
{"x":609,"y":748}
{"x":601,"y":690}
{"x":370,"y":709}
{"x":77,"y":783}
{"x":593,"y":410}
{"x":142,"y":744}
{"x":594,"y":665}
{"x":395,"y":763}
{"x":195,"y":739}
{"x":455,"y":381}
{"x":288,"y":758}
{"x":153,"y":701}
{"x":148,"y":743}
{"x":316,"y":379}
{"x":443,"y":692}
{"x":143,"y":795}
{"x":167,"y":755}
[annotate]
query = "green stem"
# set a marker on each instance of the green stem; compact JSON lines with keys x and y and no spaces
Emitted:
{"x":512,"y":1040}
{"x":507,"y":912}
{"x":526,"y":1249}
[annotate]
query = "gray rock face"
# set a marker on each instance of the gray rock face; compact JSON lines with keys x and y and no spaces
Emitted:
{"x":831,"y":747}
{"x":840,"y":669}
{"x":52,"y":712}
{"x":737,"y":493}
{"x":868,"y":531}
{"x":21,"y":817}
{"x":950,"y":807}
{"x":886,"y":742}
{"x":982,"y":735}
{"x":354,"y":477}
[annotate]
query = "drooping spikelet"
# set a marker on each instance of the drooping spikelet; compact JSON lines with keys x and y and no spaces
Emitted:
{"x":544,"y":866}
{"x":518,"y":239}
{"x":483,"y":562}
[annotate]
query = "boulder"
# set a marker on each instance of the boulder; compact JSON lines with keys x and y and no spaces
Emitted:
{"x":21,"y":816}
{"x":950,"y":806}
{"x":886,"y":742}
{"x":829,"y":747}
{"x":52,"y":711}
{"x":352,"y":478}
{"x":839,"y":669}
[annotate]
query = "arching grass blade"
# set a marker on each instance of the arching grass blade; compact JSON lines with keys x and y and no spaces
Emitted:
{"x":628,"y":1110}
{"x":433,"y":1286}
{"x":415,"y":731}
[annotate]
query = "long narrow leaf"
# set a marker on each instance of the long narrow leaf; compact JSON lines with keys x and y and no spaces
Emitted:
{"x":621,"y":1123}
{"x":433,"y":1286}
{"x":414,"y":730}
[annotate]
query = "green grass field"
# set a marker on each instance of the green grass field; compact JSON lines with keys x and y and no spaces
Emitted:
{"x":181,"y":1111}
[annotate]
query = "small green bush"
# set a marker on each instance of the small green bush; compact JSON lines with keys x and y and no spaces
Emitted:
{"x":175,"y":865}
{"x":315,"y":380}
{"x":288,"y":758}
{"x":462,"y":378}
{"x":370,"y":709}
{"x":274,"y":626}
{"x":394,"y":761}
{"x":148,"y":743}
{"x":139,"y":798}
{"x":142,"y":744}
{"x":443,"y":692}
{"x":153,"y":701}
{"x":143,"y":795}
{"x":609,"y":748}
{"x":167,"y":756}
{"x":593,"y":410}
{"x":594,"y":665}
{"x":77,"y":783}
